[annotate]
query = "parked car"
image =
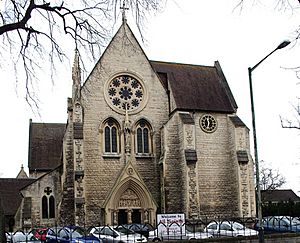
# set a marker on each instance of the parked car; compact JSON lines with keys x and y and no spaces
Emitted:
{"x":280,"y":224}
{"x":229,"y":228}
{"x":155,"y":236}
{"x":8,"y":236}
{"x":117,"y":234}
{"x":20,"y":237}
{"x":41,"y":233}
{"x":69,"y":235}
{"x":142,"y":229}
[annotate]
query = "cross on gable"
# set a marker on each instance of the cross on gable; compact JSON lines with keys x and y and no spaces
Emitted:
{"x":124,"y":8}
{"x":48,"y":190}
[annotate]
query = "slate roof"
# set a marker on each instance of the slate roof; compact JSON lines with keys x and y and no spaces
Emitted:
{"x":279,"y":196}
{"x":237,"y":121}
{"x":45,"y":145}
{"x":196,"y":87}
{"x":10,"y":193}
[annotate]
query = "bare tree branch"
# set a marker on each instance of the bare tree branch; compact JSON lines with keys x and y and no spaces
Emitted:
{"x":270,"y":179}
{"x":31,"y":31}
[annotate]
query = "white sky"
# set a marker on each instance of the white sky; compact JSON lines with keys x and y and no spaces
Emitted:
{"x":196,"y":32}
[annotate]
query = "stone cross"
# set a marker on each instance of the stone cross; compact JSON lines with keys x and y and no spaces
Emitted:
{"x":123,"y":11}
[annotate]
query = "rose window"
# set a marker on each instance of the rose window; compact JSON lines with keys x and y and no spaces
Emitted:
{"x":125,"y":92}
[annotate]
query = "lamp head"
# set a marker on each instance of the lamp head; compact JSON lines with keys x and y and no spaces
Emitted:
{"x":283,"y":44}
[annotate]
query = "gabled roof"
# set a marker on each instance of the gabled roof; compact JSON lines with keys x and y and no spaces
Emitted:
{"x":22,"y":174}
{"x":196,"y":87}
{"x":45,"y":145}
{"x":10,"y":193}
{"x":279,"y":196}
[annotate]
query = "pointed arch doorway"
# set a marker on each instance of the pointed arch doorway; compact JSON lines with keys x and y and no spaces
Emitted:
{"x":130,"y":202}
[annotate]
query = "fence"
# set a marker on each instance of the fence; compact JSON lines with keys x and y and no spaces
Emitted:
{"x":210,"y":230}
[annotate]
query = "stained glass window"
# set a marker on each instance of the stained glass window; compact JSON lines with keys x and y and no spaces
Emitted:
{"x":125,"y":90}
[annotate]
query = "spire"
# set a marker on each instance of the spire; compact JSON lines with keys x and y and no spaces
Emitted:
{"x":76,"y":72}
{"x":124,"y":8}
{"x":76,"y":76}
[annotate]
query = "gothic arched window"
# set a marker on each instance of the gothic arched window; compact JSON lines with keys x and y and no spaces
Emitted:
{"x":143,"y":138}
{"x":111,"y":137}
{"x":51,"y":207}
{"x":44,"y":207}
{"x":48,"y":204}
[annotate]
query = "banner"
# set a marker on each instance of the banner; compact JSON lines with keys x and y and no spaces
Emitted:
{"x":171,"y":224}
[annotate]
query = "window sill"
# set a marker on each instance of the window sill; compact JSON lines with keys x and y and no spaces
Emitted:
{"x":144,"y":156}
{"x":111,"y":155}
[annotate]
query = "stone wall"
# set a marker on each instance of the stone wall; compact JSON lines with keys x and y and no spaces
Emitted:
{"x":174,"y":168}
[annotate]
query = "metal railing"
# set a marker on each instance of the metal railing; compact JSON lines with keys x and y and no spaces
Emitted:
{"x":204,"y":228}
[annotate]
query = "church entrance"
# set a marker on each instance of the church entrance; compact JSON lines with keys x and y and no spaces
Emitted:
{"x":128,"y":216}
{"x":130,"y":203}
{"x":136,"y":216}
{"x":122,"y":217}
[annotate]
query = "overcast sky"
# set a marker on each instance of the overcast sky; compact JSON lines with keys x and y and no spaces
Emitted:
{"x":196,"y":32}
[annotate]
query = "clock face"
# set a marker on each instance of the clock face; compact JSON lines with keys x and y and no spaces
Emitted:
{"x":125,"y":92}
{"x":208,"y":123}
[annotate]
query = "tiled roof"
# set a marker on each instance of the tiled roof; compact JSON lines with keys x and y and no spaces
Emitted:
{"x":279,"y":196}
{"x":196,"y":87}
{"x":45,"y":145}
{"x":10,"y":193}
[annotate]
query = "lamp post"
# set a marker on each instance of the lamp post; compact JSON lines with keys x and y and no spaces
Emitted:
{"x":258,"y":196}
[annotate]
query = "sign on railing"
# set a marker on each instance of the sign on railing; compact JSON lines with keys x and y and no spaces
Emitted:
{"x":170,"y":224}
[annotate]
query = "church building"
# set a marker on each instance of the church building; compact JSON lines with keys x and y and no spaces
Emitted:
{"x":142,"y":137}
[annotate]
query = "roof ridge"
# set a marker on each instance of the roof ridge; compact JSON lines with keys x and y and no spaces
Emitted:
{"x":180,"y":63}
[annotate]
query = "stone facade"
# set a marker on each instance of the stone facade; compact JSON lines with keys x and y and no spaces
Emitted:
{"x":136,"y":144}
{"x":31,"y":213}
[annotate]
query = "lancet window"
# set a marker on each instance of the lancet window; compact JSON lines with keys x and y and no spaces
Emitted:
{"x":143,"y":137}
{"x":48,"y":204}
{"x":111,"y":136}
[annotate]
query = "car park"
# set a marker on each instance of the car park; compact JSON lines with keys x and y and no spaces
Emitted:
{"x":69,"y":235}
{"x":117,"y":234}
{"x":280,"y":224}
{"x":229,"y":229}
{"x":155,"y":236}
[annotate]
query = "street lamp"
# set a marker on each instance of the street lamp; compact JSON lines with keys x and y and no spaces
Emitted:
{"x":258,"y":196}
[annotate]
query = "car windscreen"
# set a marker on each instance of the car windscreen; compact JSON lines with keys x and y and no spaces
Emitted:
{"x":295,"y":221}
{"x":77,"y":233}
{"x":124,"y":230}
{"x":238,"y":226}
